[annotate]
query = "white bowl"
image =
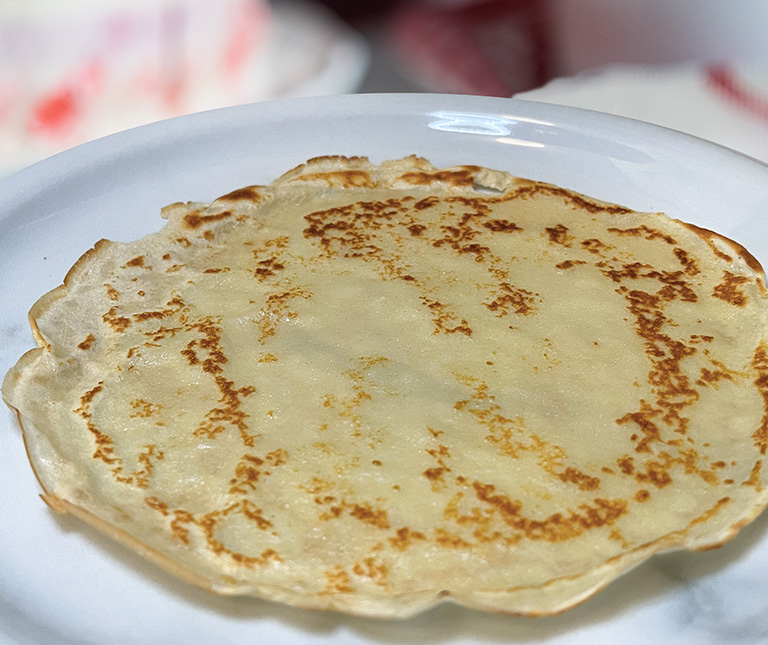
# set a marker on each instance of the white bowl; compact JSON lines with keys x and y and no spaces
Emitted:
{"x":60,"y":581}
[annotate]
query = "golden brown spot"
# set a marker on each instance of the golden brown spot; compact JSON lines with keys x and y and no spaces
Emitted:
{"x":501,"y":226}
{"x":509,"y":434}
{"x":642,"y":419}
{"x":337,"y":581}
{"x":709,"y":237}
{"x":559,"y":235}
{"x":247,"y":474}
{"x":513,"y":300}
{"x":88,"y":397}
{"x":249,"y":193}
{"x":422,"y":204}
{"x":760,"y":365}
{"x":460,"y":177}
{"x":750,"y":260}
{"x":618,"y":536}
{"x":212,"y":361}
{"x":182,"y":521}
{"x":369,"y":515}
{"x":105,"y":450}
{"x":450,"y":541}
{"x":277,"y":457}
{"x":690,"y":266}
{"x":118,"y":323}
{"x":87,"y":343}
{"x":317,"y":485}
{"x":670,"y":384}
{"x":628,"y":271}
{"x":372,"y":569}
{"x":709,"y":514}
{"x":347,"y":406}
{"x":177,"y":525}
{"x":569,"y":197}
{"x":445,"y":321}
{"x":440,"y":453}
{"x":655,"y":472}
{"x":405,"y":537}
{"x":218,"y":270}
{"x":458,"y":235}
{"x":255,"y":515}
{"x":147,"y":458}
{"x":486,"y":493}
{"x":250,"y":512}
{"x":364,"y":512}
{"x":557,"y":527}
{"x":343,"y":178}
{"x":435,"y":475}
{"x":729,"y":289}
{"x":626,"y":464}
{"x":673,"y":285}
{"x":277,"y":310}
{"x":569,"y":264}
{"x":594,"y":246}
{"x":138,"y":261}
{"x":754,"y":479}
{"x":333,"y":512}
{"x":144,"y":409}
{"x":174,"y":306}
{"x":574,"y":476}
{"x":112,"y":293}
{"x":642,"y":495}
{"x":195,"y":219}
{"x":713,"y":377}
{"x":645,"y":232}
{"x":354,"y":231}
{"x":268,"y":267}
{"x":155,"y":504}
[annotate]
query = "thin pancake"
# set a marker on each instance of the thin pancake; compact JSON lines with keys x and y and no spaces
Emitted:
{"x":371,"y":389}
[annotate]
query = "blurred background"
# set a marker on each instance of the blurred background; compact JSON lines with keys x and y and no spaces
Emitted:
{"x":78,"y":70}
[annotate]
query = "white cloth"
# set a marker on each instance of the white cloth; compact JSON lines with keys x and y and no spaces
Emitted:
{"x":724,"y":103}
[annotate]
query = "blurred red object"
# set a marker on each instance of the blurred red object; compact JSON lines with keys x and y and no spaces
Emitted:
{"x":487,"y":47}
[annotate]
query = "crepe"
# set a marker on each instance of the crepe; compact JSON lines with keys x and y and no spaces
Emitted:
{"x":372,"y":389}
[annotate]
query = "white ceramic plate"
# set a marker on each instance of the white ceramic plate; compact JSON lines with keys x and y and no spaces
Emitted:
{"x":61,"y":582}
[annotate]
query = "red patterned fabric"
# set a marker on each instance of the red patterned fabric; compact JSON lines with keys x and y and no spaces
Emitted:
{"x":488,"y":47}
